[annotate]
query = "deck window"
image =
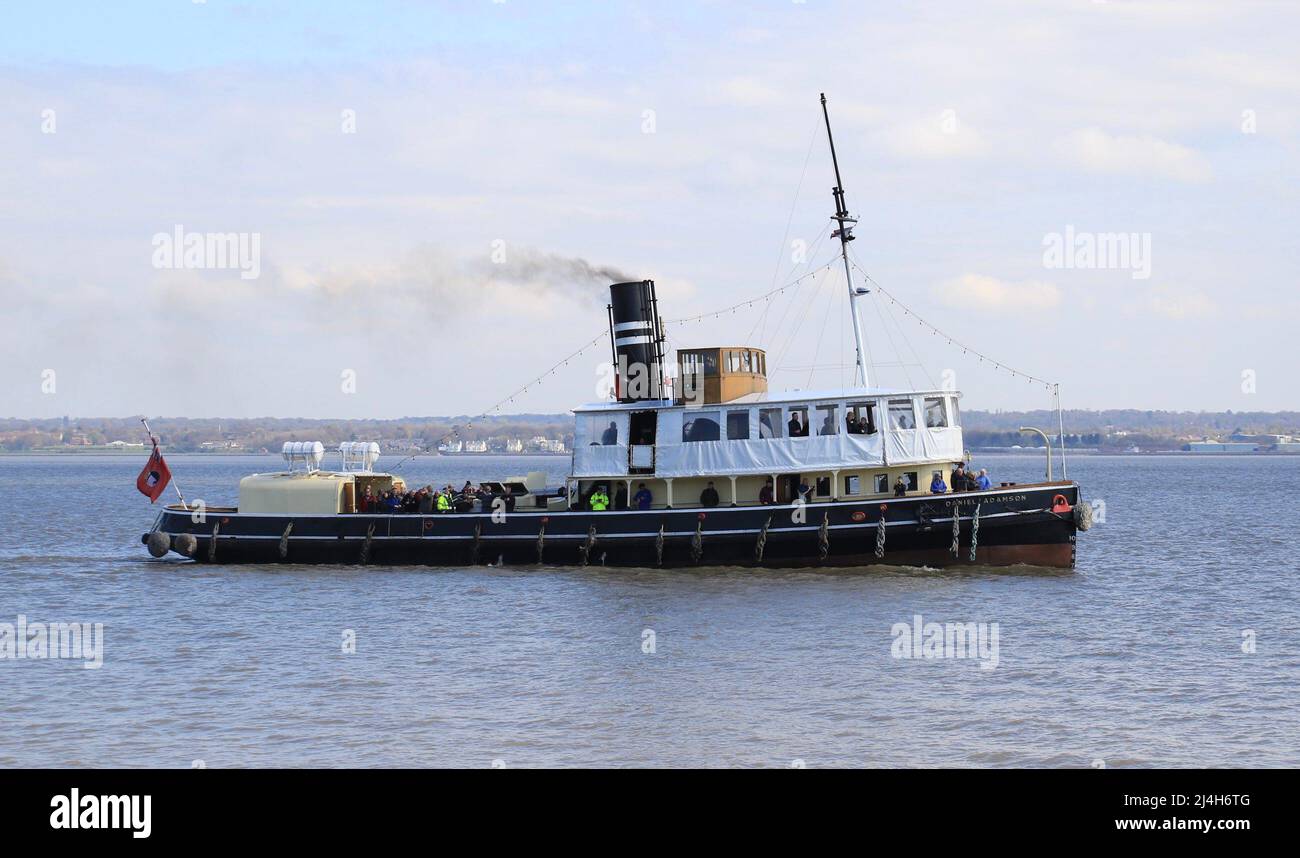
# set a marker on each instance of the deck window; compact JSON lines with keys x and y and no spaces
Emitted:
{"x":882,"y":484}
{"x":827,"y":422}
{"x":936,"y":416}
{"x":770,"y":424}
{"x":852,"y":484}
{"x":701,"y":427}
{"x":823,"y":487}
{"x":910,"y":476}
{"x":797,"y":425}
{"x":861,"y":419}
{"x":900,"y":414}
{"x":601,"y":430}
{"x":738,"y":425}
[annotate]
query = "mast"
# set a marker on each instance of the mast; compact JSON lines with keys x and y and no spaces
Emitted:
{"x":845,"y":234}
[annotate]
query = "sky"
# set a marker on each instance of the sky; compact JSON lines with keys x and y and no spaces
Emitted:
{"x":433,"y":197}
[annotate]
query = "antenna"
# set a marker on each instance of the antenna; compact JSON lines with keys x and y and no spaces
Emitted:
{"x":845,"y":234}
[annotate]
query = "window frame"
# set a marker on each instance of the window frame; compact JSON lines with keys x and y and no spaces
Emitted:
{"x":834,"y":409}
{"x":927,"y":403}
{"x":802,"y":411}
{"x":777,"y":429}
{"x":911,"y":412}
{"x":738,"y":412}
{"x":689,"y":425}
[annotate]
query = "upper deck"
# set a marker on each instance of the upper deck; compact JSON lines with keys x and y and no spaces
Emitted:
{"x":768,"y":432}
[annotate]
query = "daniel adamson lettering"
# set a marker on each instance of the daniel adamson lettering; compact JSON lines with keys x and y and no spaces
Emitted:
{"x":102,"y":811}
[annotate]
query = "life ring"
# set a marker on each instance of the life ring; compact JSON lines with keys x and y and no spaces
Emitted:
{"x":1060,"y":504}
{"x":858,"y":516}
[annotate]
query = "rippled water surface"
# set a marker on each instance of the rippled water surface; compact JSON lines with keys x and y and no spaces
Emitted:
{"x":1135,"y":659}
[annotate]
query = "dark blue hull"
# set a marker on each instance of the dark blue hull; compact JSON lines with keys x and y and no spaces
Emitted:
{"x":1031,"y":525}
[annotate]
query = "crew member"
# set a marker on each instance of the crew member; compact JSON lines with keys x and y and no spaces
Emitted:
{"x":765,"y":495}
{"x":709,"y":497}
{"x":599,"y":501}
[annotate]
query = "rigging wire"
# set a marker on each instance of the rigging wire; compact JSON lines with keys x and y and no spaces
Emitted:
{"x":713,"y":314}
{"x":1032,"y":379}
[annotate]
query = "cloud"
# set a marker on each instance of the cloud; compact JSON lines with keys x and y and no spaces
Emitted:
{"x":1169,"y":303}
{"x":1095,"y":150}
{"x":943,"y":135}
{"x":987,"y":294}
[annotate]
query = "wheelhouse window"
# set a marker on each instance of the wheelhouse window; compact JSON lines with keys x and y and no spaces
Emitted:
{"x":861,"y":419}
{"x":936,"y":415}
{"x":701,"y":427}
{"x":827,"y":422}
{"x":747,"y":361}
{"x":797,"y":425}
{"x":900,"y":414}
{"x":710,"y":363}
{"x":738,"y":425}
{"x":770,"y":423}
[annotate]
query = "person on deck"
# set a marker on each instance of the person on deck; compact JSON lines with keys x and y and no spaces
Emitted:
{"x":937,"y":486}
{"x":900,"y":487}
{"x":642,"y":497}
{"x":983,"y":483}
{"x":620,"y":496}
{"x":828,"y":426}
{"x":796,"y":428}
{"x":959,"y":478}
{"x":610,"y":435}
{"x":443,"y":502}
{"x":709,"y":497}
{"x":508,"y":498}
{"x":766,"y":496}
{"x":599,"y":501}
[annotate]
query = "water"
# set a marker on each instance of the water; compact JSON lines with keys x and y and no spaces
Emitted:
{"x":1135,"y":659}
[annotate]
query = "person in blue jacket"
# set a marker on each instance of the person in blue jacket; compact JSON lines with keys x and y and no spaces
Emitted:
{"x":984,"y":482}
{"x":642,"y":497}
{"x":937,"y":485}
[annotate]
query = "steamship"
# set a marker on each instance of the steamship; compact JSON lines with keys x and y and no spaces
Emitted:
{"x":737,"y":475}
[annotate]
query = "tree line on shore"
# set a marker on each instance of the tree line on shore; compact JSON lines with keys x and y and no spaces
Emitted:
{"x":1107,"y":429}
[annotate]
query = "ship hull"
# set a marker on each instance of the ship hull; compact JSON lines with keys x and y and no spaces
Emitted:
{"x":1031,"y":525}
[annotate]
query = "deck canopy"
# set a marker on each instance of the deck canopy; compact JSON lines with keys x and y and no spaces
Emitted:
{"x":767,"y":433}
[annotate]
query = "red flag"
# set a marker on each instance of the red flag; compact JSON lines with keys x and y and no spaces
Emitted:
{"x":155,"y":476}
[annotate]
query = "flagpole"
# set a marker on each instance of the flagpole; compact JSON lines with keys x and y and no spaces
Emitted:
{"x":154,"y":441}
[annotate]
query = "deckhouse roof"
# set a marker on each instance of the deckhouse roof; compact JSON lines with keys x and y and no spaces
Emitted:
{"x":772,"y":396}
